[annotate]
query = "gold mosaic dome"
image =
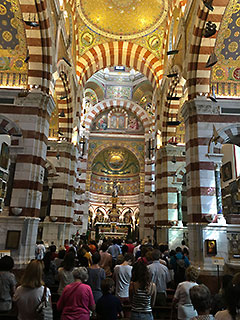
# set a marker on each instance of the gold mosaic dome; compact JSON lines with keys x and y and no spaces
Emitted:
{"x":123,"y":19}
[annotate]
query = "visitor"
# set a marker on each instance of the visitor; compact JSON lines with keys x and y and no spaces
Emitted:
{"x":95,"y":276}
{"x":201,"y":300}
{"x":130,"y":246}
{"x":53,"y":249}
{"x":49,"y":270}
{"x":122,"y":276}
{"x":142,"y":293}
{"x":77,"y":300}
{"x":65,"y":275}
{"x":219,"y":300}
{"x":179,"y":264}
{"x":136,"y":250}
{"x":58,"y":261}
{"x":114,"y":250}
{"x":29,"y":294}
{"x":108,"y":306}
{"x":106,"y":260}
{"x":232,"y":295}
{"x":40,"y":250}
{"x":7,"y":283}
{"x":160,"y":276}
{"x":182,"y":295}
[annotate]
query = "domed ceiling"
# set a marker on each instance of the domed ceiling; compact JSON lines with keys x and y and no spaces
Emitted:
{"x":123,"y":19}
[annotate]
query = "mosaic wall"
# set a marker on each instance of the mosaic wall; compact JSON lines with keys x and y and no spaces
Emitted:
{"x":115,"y":164}
{"x":117,"y":119}
{"x":13,"y":50}
{"x":226,"y":73}
{"x":122,"y":92}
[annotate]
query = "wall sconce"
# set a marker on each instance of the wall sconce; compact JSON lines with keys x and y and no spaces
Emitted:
{"x":208,"y":4}
{"x":171,"y":52}
{"x":212,"y":60}
{"x":30,"y":23}
{"x":67,"y":62}
{"x":210,"y":29}
{"x":62,"y":114}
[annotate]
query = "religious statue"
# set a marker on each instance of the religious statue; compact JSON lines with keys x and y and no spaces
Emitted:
{"x":115,"y":189}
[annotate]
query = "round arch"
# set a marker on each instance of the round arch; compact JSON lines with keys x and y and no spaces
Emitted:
{"x":109,"y":103}
{"x":119,"y":53}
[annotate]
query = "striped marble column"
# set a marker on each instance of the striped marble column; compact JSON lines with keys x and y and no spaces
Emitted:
{"x":31,"y":114}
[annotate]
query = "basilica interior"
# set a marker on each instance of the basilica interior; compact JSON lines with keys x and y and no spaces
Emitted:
{"x":121,"y":118}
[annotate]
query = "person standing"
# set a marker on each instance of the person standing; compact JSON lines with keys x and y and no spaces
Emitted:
{"x":7,"y":283}
{"x":106,"y":260}
{"x":160,"y":276}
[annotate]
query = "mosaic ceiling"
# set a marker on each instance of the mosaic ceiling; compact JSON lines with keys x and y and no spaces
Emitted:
{"x":226,"y":73}
{"x":123,"y":19}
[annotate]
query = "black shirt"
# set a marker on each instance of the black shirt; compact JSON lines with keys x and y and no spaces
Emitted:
{"x":108,"y":307}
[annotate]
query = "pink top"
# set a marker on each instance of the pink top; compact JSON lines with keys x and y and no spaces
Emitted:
{"x":75,"y":301}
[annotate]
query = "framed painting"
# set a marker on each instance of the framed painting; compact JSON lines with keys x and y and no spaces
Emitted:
{"x":227,"y":171}
{"x":13,"y":238}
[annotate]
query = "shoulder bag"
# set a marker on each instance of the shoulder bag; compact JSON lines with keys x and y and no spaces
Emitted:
{"x":44,"y":308}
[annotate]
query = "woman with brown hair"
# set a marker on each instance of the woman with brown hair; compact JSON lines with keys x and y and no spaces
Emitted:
{"x":142,"y":293}
{"x":29,"y":294}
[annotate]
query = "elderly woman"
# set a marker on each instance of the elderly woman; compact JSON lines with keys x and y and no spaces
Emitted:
{"x":182,"y":296}
{"x":201,"y":300}
{"x":77,"y":299}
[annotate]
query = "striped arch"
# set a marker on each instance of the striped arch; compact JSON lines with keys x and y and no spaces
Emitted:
{"x":198,"y":79}
{"x":52,"y":172}
{"x":119,"y":53}
{"x":228,"y":134}
{"x":109,"y":103}
{"x":39,"y":44}
{"x":63,"y":89}
{"x":7,"y":126}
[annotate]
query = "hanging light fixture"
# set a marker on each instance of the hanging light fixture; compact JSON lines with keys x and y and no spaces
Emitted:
{"x":208,"y":4}
{"x":212,"y":60}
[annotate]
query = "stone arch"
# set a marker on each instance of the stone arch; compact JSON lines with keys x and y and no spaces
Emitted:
{"x":7,"y":126}
{"x":119,"y":53}
{"x":38,"y":73}
{"x":227,"y":134}
{"x":107,"y":104}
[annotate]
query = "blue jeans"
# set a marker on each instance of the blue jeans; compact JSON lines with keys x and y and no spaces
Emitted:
{"x":141,"y":316}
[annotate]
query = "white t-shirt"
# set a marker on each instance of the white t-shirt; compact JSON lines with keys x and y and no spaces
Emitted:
{"x":27,"y":300}
{"x":223,"y":315}
{"x":122,"y":276}
{"x":185,"y":307}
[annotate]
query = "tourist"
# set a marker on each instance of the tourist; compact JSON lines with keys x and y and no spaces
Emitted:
{"x":95,"y":276}
{"x":160,"y":276}
{"x":232,"y":296}
{"x":179,"y":264}
{"x":77,"y":300}
{"x":108,"y":306}
{"x":29,"y":294}
{"x":106,"y":260}
{"x":58,"y":261}
{"x":201,"y":300}
{"x":65,"y":275}
{"x":114,"y":250}
{"x":49,"y":271}
{"x":122,"y":276}
{"x":8,"y":283}
{"x":219,"y":300}
{"x":40,"y":250}
{"x":142,"y":293}
{"x":182,"y":295}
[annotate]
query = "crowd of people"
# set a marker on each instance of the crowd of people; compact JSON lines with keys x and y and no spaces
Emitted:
{"x":113,"y":280}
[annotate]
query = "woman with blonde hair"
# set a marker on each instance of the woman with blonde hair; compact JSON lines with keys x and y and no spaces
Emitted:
{"x":182,"y":295}
{"x":29,"y":294}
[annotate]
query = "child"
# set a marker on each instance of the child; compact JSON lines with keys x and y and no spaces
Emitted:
{"x":108,"y":306}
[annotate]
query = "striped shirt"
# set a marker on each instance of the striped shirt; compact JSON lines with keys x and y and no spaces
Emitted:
{"x":141,"y":301}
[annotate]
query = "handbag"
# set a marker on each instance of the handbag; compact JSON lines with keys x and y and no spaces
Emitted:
{"x":44,"y":309}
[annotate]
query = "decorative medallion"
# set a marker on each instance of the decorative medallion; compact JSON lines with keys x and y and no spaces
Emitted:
{"x":123,"y":19}
{"x":154,"y":42}
{"x":87,"y":39}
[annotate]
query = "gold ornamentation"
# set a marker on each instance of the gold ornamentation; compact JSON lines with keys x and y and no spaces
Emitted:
{"x":7,"y":36}
{"x":4,"y":22}
{"x":233,"y":46}
{"x":154,"y":42}
{"x":3,"y":10}
{"x":227,"y":33}
{"x":87,"y":39}
{"x":109,"y":19}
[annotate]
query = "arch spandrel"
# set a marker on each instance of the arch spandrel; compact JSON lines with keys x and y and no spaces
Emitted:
{"x":13,"y":50}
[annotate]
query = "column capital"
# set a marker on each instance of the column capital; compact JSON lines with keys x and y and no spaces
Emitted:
{"x":199,"y":106}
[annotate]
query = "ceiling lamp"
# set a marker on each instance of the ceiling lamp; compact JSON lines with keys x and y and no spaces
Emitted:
{"x":208,"y":4}
{"x":63,"y":97}
{"x":173,"y":98}
{"x":212,"y":60}
{"x":210,"y":29}
{"x":172,"y":75}
{"x":62,"y":114}
{"x":67,"y":62}
{"x":171,"y":52}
